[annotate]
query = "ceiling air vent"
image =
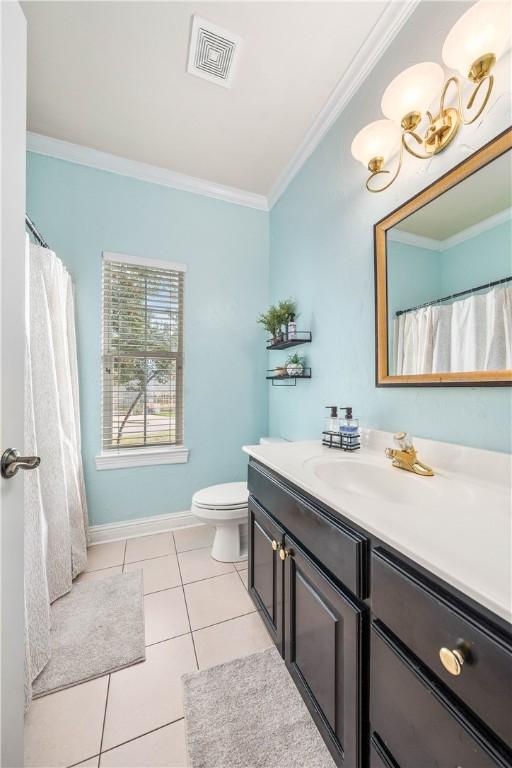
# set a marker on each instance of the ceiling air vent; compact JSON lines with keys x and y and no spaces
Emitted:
{"x":213,"y":52}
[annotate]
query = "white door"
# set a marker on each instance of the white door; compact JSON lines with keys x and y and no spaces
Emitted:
{"x":13,"y":92}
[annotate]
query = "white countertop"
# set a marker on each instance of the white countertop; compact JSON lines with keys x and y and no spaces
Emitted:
{"x":457,"y":524}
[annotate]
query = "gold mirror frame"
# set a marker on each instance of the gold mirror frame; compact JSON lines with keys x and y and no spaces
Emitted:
{"x":483,"y":156}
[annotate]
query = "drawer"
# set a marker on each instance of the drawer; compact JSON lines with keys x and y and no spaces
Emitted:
{"x":341,"y":550}
{"x":485,"y":679}
{"x":418,"y":725}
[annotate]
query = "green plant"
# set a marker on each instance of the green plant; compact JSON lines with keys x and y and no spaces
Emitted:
{"x":277,"y":315}
{"x":287,"y":308}
{"x":271,"y":320}
{"x":295,"y":359}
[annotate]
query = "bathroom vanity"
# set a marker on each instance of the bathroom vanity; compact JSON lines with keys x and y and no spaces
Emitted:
{"x":388,"y":596}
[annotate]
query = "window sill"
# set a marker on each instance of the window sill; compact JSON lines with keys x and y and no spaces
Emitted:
{"x":141,"y":457}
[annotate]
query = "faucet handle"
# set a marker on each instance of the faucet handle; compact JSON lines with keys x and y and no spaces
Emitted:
{"x":403,"y":441}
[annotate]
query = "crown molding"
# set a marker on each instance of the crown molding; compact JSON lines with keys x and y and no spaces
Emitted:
{"x":75,"y":153}
{"x":430,"y":243}
{"x":477,"y":229}
{"x":383,"y":33}
{"x":418,"y":241}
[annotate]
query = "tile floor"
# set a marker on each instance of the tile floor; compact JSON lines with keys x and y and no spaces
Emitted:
{"x":197,"y":614}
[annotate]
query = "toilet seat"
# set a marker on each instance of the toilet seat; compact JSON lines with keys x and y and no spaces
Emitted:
{"x":227,"y":496}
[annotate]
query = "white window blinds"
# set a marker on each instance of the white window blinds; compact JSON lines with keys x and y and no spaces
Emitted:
{"x":142,"y":352}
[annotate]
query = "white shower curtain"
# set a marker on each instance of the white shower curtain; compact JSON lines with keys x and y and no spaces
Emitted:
{"x":55,"y":503}
{"x":473,"y":334}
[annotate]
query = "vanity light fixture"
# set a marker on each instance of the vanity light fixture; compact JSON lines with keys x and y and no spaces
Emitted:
{"x":472,"y":47}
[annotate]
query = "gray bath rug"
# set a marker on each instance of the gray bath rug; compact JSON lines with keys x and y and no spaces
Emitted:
{"x":97,"y":628}
{"x":248,"y":713}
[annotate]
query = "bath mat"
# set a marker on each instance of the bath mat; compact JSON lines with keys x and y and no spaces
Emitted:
{"x":235,"y":718}
{"x":97,"y":628}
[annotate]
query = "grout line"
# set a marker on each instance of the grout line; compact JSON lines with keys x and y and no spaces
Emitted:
{"x":199,"y":629}
{"x":73,"y":765}
{"x":105,"y":714}
{"x":188,"y":615}
{"x":159,"y":728}
{"x":167,"y":639}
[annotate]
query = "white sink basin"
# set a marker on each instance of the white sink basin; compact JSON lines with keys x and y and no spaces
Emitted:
{"x":386,"y":483}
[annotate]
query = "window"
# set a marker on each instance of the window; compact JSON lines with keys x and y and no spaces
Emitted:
{"x":142,"y":356}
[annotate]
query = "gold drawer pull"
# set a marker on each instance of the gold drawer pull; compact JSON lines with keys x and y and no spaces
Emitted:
{"x":284,"y":553}
{"x":452,"y":660}
{"x":276,"y":545}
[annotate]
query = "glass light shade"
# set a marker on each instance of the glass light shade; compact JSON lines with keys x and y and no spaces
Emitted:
{"x":378,"y":139}
{"x":484,"y":28}
{"x":413,"y":90}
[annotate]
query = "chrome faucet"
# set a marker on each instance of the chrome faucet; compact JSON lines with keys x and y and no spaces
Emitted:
{"x":404,"y":456}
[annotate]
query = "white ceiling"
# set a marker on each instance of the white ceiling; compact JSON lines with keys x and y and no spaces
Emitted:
{"x":112,"y":76}
{"x":480,"y":196}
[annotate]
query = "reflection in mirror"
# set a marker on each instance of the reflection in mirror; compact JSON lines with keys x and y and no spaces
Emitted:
{"x":449,"y":279}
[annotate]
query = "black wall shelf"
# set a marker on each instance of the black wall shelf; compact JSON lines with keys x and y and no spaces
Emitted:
{"x":301,"y":337}
{"x":285,"y":380}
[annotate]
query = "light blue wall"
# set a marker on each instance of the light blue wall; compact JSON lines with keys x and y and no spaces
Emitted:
{"x":481,"y":259}
{"x":83,"y":211}
{"x":321,"y":243}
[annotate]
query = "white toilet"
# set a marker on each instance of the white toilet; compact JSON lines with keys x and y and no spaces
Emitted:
{"x":224,"y":507}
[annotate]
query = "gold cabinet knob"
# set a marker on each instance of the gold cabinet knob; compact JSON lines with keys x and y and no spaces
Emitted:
{"x":452,"y":660}
{"x":284,"y":553}
{"x":275,"y":545}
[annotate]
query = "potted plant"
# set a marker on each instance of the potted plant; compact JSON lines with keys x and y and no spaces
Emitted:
{"x":295,"y":365}
{"x":271,"y":321}
{"x":276,"y":317}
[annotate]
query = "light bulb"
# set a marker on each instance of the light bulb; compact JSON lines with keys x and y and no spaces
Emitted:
{"x":482,"y":31}
{"x":376,"y":141}
{"x":411,"y":93}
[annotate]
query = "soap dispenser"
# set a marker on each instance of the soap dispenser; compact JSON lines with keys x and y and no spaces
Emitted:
{"x":332,"y":422}
{"x":349,"y":430}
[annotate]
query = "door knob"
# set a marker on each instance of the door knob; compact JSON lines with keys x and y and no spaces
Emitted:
{"x":12,"y":461}
{"x":284,"y":552}
{"x":276,"y":545}
{"x":452,"y":660}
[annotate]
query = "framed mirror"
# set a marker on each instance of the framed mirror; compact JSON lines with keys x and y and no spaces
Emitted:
{"x":443,"y":278}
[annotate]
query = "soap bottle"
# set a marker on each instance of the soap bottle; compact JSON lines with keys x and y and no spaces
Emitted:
{"x":349,"y":429}
{"x":331,"y":422}
{"x":292,"y":328}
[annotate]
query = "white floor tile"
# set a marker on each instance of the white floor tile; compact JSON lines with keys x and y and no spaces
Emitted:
{"x":241,"y":565}
{"x":244,"y":575}
{"x":195,"y":537}
{"x":86,"y":575}
{"x":92,"y":763}
{"x":230,"y":640}
{"x":148,"y":695}
{"x":65,"y":727}
{"x":165,"y":615}
{"x":101,"y":556}
{"x":198,"y":564}
{"x":144,"y":547}
{"x":159,"y":573}
{"x":217,"y":599}
{"x":164,"y":748}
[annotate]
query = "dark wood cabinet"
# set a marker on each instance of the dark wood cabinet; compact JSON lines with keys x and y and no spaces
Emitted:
{"x":265,"y":575}
{"x":323,"y":639}
{"x":364,"y":652}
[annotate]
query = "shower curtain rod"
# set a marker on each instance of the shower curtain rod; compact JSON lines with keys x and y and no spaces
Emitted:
{"x":454,"y":296}
{"x":38,"y":236}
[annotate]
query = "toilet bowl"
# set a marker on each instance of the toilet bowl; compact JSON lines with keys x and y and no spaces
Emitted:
{"x":224,"y":507}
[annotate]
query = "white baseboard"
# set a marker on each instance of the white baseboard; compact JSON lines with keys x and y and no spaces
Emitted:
{"x":143,"y":526}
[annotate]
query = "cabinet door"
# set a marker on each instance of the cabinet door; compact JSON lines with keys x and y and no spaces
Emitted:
{"x":323,"y":642}
{"x":265,"y":575}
